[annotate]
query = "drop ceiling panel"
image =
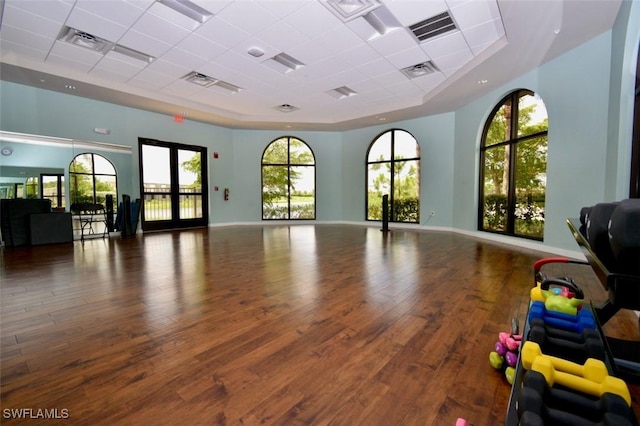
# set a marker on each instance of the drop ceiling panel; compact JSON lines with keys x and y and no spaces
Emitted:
{"x":247,"y":14}
{"x":282,"y":36}
{"x":332,"y":53}
{"x":36,"y":24}
{"x":408,"y":57}
{"x":124,"y":15}
{"x":18,"y":37}
{"x":393,"y":41}
{"x":312,"y":20}
{"x":95,"y":25}
{"x":445,"y":45}
{"x":75,"y":53}
{"x":472,"y":13}
{"x":53,"y":10}
{"x":410,"y":12}
{"x":159,"y":29}
{"x":143,"y":43}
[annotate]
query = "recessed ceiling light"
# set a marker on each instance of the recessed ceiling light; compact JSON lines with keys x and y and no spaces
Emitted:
{"x":69,"y":87}
{"x":286,"y":108}
{"x":483,"y":81}
{"x":188,"y":9}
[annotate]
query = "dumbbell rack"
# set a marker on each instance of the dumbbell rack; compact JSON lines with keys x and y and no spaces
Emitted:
{"x":511,"y":418}
{"x":624,"y":293}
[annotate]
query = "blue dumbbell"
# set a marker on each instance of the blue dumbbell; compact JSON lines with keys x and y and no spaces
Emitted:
{"x":583,"y":320}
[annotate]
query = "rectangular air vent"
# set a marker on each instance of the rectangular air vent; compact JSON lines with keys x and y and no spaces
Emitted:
{"x":283,"y":63}
{"x":433,"y":26}
{"x":84,"y":39}
{"x":206,"y":81}
{"x":350,"y":9}
{"x":341,"y":92}
{"x":419,"y":70}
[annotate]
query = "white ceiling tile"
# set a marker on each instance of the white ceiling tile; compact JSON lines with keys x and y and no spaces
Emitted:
{"x":282,"y":36}
{"x":406,"y":89}
{"x":143,"y":43}
{"x":282,"y":8}
{"x":390,"y":78}
{"x":122,"y":63}
{"x":456,"y":3}
{"x":28,"y":21}
{"x":77,"y":66}
{"x":408,"y":12}
{"x":310,"y":53}
{"x":109,"y":75}
{"x":445,"y":44}
{"x":51,"y":9}
{"x":216,"y":69}
{"x":222,"y":32}
{"x":76,"y":53}
{"x":339,"y":39}
{"x":167,"y":68}
{"x":159,"y":29}
{"x":200,"y":46}
{"x":247,"y":14}
{"x":185,"y":59}
{"x":376,"y":68}
{"x":151,"y":80}
{"x":182,"y":88}
{"x":393,"y":41}
{"x":95,"y":25}
{"x":408,"y":57}
{"x":19,"y":37}
{"x":166,"y":13}
{"x":453,"y":61}
{"x":118,"y":12}
{"x":359,"y":55}
{"x":312,"y":20}
{"x":142,"y":4}
{"x":485,"y":33}
{"x":473,"y":13}
{"x":430,"y":81}
{"x":9,"y":49}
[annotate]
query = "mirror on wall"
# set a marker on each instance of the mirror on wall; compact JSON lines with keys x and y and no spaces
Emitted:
{"x":37,"y":166}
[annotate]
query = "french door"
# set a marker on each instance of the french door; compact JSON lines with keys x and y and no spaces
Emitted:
{"x":173,"y":184}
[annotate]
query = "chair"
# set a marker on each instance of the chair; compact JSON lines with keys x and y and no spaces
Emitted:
{"x":90,"y":214}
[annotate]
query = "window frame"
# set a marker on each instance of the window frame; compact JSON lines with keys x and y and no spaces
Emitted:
{"x":392,"y":162}
{"x":512,"y":143}
{"x":93,"y":175}
{"x":289,"y":165}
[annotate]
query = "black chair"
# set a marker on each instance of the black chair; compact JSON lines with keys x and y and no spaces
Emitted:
{"x":90,"y":214}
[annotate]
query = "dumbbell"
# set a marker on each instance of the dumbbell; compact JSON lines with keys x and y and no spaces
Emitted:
{"x":591,"y":378}
{"x":573,"y":402}
{"x":559,"y":333}
{"x":567,"y":349}
{"x":533,"y":412}
{"x":584,"y":319}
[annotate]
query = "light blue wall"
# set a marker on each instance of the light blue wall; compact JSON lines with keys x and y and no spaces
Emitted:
{"x":585,"y":92}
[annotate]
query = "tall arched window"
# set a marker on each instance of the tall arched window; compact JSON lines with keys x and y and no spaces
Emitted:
{"x":288,"y":180}
{"x":393,"y":168}
{"x":513,"y":167}
{"x":91,"y":178}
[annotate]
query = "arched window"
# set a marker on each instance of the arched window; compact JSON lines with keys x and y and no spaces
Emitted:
{"x":393,"y":168}
{"x":288,"y":180}
{"x":91,"y":178}
{"x":513,"y":167}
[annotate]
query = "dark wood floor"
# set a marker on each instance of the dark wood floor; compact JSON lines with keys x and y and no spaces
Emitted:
{"x":267,"y":325}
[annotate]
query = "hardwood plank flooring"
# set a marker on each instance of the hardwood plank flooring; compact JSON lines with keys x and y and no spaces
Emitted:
{"x":307,"y":324}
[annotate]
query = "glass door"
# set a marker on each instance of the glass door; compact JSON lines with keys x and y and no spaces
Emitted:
{"x":173,"y":185}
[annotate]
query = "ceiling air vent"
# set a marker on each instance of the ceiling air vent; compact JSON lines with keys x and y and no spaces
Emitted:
{"x":434,"y":26}
{"x":341,"y":92}
{"x":420,"y":70}
{"x":283,"y":63}
{"x":286,"y":108}
{"x":200,"y":79}
{"x":350,"y":9}
{"x":84,"y":39}
{"x":206,"y":81}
